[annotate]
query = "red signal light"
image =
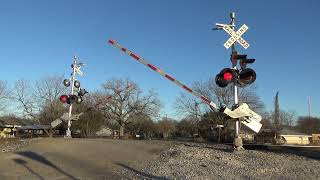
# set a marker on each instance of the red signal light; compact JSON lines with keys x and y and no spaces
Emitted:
{"x":63,"y":98}
{"x":227,"y":76}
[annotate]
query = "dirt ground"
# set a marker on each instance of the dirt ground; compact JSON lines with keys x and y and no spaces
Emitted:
{"x":60,"y":158}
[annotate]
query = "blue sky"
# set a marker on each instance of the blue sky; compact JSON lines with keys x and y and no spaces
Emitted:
{"x":39,"y":38}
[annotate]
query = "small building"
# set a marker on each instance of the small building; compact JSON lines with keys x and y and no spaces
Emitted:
{"x":35,"y":130}
{"x":283,"y":136}
{"x":9,"y":125}
{"x":294,"y":137}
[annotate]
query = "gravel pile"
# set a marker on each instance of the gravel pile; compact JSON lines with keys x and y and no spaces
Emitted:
{"x":203,"y":161}
{"x":9,"y":145}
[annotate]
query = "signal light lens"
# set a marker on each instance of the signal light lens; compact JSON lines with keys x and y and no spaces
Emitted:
{"x":72,"y":99}
{"x":79,"y":100}
{"x":76,"y":84}
{"x":220,"y":81}
{"x":63,"y":98}
{"x":227,"y":76}
{"x":66,"y":82}
{"x":246,"y":76}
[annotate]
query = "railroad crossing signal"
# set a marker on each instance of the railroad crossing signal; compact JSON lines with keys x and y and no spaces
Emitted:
{"x":225,"y":77}
{"x":250,"y":118}
{"x":236,"y":36}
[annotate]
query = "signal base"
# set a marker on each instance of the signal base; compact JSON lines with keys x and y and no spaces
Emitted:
{"x":238,"y":144}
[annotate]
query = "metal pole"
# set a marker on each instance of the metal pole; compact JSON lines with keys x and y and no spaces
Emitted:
{"x":197,"y":120}
{"x":68,"y":133}
{"x":309,"y":106}
{"x":219,"y":136}
{"x":238,"y":140}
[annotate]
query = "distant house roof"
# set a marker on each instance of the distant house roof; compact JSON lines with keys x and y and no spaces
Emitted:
{"x":8,"y":120}
{"x":285,"y":132}
{"x":34,"y":127}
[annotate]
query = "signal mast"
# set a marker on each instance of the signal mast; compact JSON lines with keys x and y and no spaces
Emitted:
{"x":75,"y":85}
{"x":65,"y":117}
{"x":239,"y":77}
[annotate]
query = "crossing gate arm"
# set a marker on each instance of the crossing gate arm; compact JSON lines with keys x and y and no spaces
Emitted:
{"x":135,"y":56}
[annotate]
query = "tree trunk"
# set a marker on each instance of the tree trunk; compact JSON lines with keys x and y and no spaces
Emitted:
{"x":121,"y":131}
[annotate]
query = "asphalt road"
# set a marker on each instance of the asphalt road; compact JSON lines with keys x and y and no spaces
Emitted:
{"x":60,"y":158}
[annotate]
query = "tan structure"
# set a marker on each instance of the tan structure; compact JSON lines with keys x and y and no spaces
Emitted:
{"x":284,"y":136}
{"x":296,"y":139}
{"x":316,"y":139}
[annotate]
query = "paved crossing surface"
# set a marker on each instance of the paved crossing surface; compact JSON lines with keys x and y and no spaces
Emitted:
{"x":60,"y":158}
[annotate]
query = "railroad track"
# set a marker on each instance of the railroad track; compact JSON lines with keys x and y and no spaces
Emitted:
{"x":306,"y":151}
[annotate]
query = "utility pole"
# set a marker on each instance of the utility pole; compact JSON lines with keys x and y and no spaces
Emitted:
{"x":309,"y":106}
{"x":196,"y":106}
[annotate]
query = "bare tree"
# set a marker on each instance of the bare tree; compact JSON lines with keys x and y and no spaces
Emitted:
{"x":142,"y":125}
{"x":127,"y":102}
{"x":4,"y":95}
{"x":189,"y":105}
{"x":47,"y":91}
{"x":40,"y":97}
{"x":288,"y":117}
{"x":92,"y":120}
{"x":166,"y":127}
{"x":187,"y":127}
{"x":185,"y":104}
{"x":309,"y":125}
{"x":23,"y":94}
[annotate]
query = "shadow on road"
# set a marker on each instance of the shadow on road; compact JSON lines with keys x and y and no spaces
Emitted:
{"x":142,"y":174}
{"x":24,"y":164}
{"x":36,"y":157}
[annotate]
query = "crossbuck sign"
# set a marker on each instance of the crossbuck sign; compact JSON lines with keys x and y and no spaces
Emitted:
{"x":236,"y":36}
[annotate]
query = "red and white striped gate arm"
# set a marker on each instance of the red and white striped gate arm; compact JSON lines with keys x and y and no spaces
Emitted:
{"x":161,"y":72}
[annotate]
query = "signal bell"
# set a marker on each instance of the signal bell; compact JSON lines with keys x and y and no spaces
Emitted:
{"x":225,"y":77}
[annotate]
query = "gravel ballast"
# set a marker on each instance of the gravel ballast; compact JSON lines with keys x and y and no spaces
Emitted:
{"x":204,"y":161}
{"x":10,"y":145}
